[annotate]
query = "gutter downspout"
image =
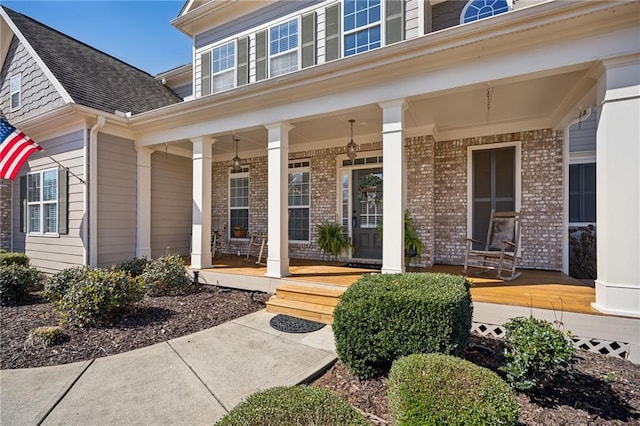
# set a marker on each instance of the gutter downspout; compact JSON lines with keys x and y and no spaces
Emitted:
{"x":91,"y":191}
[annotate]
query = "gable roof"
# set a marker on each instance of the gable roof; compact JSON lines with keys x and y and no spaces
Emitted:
{"x":91,"y":77}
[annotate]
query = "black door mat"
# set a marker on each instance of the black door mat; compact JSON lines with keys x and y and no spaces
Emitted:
{"x":373,"y":266}
{"x":290,"y":324}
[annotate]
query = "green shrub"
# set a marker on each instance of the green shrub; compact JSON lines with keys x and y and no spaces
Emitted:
{"x":166,"y":275}
{"x":16,"y":281}
{"x":44,"y":336}
{"x":296,"y":405}
{"x":385,"y":316}
{"x":98,"y":296}
{"x":134,"y":267}
{"x":7,"y":259}
{"x":436,"y":389}
{"x":535,"y":352}
{"x":57,"y":284}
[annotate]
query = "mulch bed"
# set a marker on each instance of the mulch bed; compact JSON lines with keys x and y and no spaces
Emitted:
{"x":604,"y":390}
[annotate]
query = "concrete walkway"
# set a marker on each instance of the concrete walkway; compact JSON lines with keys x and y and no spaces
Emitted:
{"x":191,"y":380}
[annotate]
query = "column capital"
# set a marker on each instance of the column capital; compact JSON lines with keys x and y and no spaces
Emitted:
{"x":395,"y":103}
{"x":203,"y":139}
{"x":280,"y":125}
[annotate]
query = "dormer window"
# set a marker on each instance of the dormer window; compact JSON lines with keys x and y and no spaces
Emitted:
{"x":224,"y":62}
{"x":362,"y":22}
{"x":15,"y":89}
{"x":283,"y":48}
{"x":480,"y":9}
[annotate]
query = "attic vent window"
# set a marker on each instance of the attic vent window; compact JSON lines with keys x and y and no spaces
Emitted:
{"x":480,"y":9}
{"x":16,"y":92}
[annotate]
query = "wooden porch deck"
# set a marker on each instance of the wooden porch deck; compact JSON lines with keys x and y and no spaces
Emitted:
{"x":533,"y":289}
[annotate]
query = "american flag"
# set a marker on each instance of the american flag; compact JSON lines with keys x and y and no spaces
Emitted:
{"x":15,"y":147}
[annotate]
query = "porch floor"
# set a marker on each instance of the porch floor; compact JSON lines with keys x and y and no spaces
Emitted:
{"x":534,"y":288}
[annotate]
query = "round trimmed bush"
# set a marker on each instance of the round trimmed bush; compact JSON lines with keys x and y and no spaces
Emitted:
{"x":16,"y":280}
{"x":98,"y":296}
{"x":166,"y":275}
{"x":134,"y":267}
{"x":437,"y":389}
{"x":295,"y":405}
{"x":10,"y":258}
{"x":57,"y":284}
{"x":385,"y":316}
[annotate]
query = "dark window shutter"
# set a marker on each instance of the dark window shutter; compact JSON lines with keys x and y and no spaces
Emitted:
{"x":308,"y":40}
{"x":63,"y":190}
{"x":243,"y":61}
{"x":394,"y":21}
{"x":332,"y":32}
{"x":23,"y":204}
{"x":261,"y":55}
{"x":205,"y":73}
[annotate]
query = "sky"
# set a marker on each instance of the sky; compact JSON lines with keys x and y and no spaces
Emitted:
{"x":136,"y":32}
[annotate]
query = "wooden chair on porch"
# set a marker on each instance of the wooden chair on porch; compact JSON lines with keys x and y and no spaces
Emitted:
{"x":500,"y":250}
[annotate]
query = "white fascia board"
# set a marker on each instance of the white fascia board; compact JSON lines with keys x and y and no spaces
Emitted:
{"x":45,"y":69}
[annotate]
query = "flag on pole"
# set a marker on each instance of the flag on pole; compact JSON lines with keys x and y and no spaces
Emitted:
{"x":15,"y":147}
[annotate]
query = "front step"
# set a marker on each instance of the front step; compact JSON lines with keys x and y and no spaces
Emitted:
{"x":305,"y":301}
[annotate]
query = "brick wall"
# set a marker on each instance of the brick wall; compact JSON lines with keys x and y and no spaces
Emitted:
{"x":5,"y":214}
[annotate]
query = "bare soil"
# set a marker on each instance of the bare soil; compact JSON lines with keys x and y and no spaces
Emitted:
{"x":603,"y":391}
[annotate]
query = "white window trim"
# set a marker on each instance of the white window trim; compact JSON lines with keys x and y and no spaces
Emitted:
{"x":248,"y":208}
{"x":382,"y":23}
{"x":466,"y":7}
{"x":42,"y":203}
{"x":19,"y":92}
{"x":517,"y":171}
{"x":298,"y":19}
{"x":305,"y":169}
{"x":232,"y":70}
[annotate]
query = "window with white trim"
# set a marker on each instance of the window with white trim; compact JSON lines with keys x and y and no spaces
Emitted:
{"x":238,"y":200}
{"x":480,"y":9}
{"x":15,"y":90}
{"x":299,"y":201}
{"x":42,"y":202}
{"x":582,"y":193}
{"x":224,"y":63}
{"x":283,"y":48}
{"x":362,"y":26}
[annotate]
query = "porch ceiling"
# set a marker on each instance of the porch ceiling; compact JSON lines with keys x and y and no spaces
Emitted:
{"x":476,"y":110}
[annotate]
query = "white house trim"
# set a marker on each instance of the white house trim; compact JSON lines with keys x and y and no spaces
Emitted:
{"x":143,"y":202}
{"x":201,"y":216}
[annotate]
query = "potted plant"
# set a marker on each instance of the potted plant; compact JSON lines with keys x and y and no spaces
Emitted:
{"x":239,"y":231}
{"x":332,"y":238}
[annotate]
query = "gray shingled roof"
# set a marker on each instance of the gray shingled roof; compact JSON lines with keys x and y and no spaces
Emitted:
{"x":93,"y":78}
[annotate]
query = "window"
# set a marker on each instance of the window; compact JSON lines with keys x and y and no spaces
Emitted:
{"x":16,"y":92}
{"x":480,"y":9}
{"x":238,"y":200}
{"x":299,"y":201}
{"x":224,"y":62}
{"x":582,"y":193}
{"x":362,"y":20}
{"x":42,"y":202}
{"x":283,"y":48}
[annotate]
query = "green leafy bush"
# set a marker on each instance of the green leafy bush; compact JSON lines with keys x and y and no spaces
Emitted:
{"x":296,"y":405}
{"x":385,"y":316}
{"x":436,"y":389}
{"x":535,"y":352}
{"x":7,"y":259}
{"x":134,"y":267}
{"x":98,"y":296}
{"x":57,"y":284}
{"x":166,"y":275}
{"x":16,"y":281}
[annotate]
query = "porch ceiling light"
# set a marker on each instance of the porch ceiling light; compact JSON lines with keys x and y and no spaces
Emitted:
{"x":235,"y":163}
{"x":351,"y":146}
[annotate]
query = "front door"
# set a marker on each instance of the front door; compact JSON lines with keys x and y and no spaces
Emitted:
{"x":367,"y":213}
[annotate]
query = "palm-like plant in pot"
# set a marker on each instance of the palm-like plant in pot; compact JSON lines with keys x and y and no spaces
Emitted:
{"x":332,"y":239}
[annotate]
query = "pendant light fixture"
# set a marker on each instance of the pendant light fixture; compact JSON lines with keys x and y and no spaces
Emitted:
{"x":235,"y":163}
{"x":351,"y":146}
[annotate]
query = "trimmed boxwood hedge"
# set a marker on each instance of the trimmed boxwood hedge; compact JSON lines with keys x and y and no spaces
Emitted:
{"x":385,"y":316}
{"x":16,"y":280}
{"x":436,"y":389}
{"x":295,"y":405}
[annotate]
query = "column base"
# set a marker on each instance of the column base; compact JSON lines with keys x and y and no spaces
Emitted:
{"x":199,"y":262}
{"x":392,"y":270}
{"x":617,"y":299}
{"x":277,"y":268}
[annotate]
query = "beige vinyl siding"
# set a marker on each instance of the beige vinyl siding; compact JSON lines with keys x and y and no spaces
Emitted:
{"x":582,"y":135}
{"x":412,"y":19}
{"x":51,"y":254}
{"x":116,"y":237}
{"x":171,"y":204}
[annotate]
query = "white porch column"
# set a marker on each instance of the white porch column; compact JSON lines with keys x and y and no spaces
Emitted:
{"x":618,"y":188}
{"x":201,"y":217}
{"x":278,"y":206}
{"x":394,"y":176}
{"x":143,"y":202}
